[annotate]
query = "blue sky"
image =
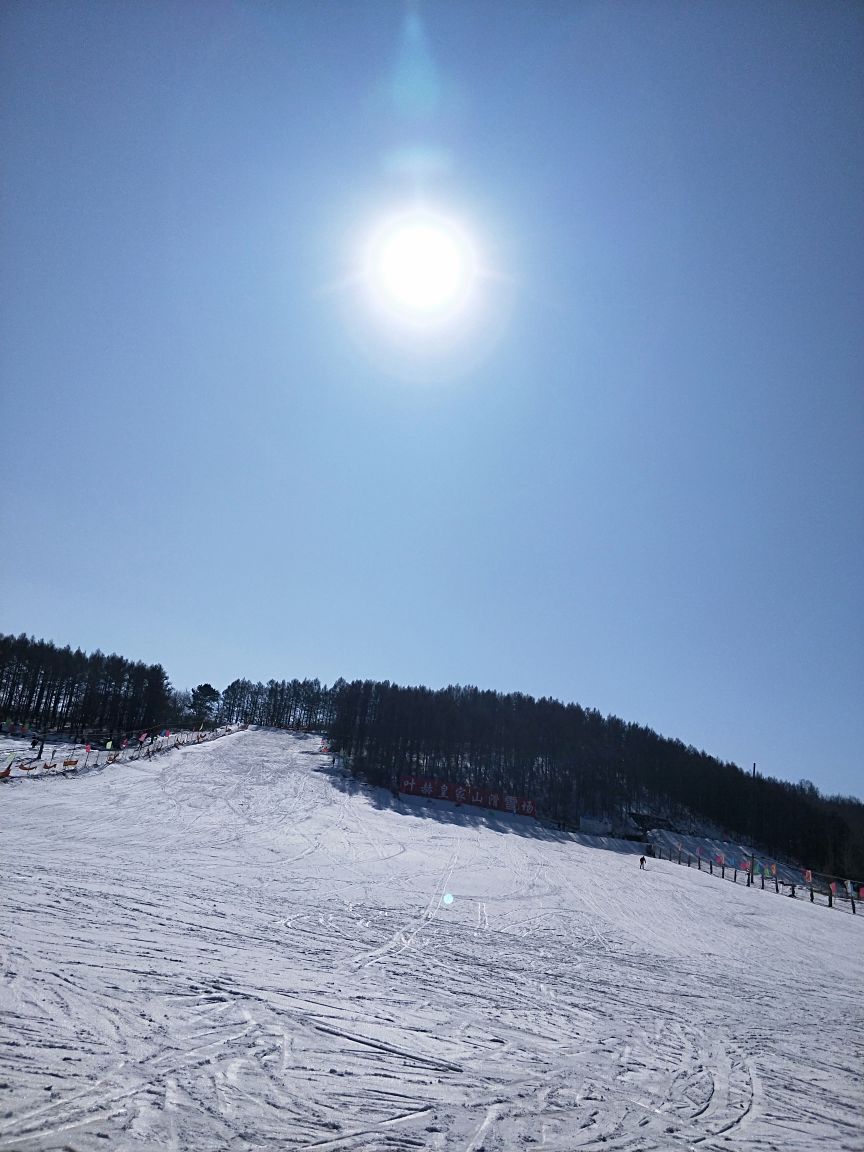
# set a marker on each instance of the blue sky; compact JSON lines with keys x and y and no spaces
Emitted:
{"x":632,"y":477}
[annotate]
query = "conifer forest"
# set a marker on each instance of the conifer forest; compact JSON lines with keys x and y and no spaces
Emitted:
{"x":571,"y":760}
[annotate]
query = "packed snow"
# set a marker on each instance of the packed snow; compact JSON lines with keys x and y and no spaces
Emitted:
{"x":234,"y":946}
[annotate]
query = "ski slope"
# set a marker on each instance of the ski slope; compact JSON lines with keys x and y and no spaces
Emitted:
{"x":234,"y":947}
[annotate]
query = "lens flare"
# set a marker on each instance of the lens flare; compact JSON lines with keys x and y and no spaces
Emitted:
{"x":421,"y":268}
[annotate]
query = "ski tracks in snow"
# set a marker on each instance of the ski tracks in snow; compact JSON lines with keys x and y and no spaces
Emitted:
{"x":227,"y":951}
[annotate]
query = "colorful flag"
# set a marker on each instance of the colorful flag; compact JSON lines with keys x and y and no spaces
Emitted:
{"x":833,"y":887}
{"x":808,"y":876}
{"x":86,"y":747}
{"x":773,"y":869}
{"x":109,"y":745}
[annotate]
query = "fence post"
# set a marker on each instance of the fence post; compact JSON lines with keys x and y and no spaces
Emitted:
{"x":749,"y":878}
{"x":811,"y":896}
{"x":679,"y":853}
{"x":711,"y":867}
{"x":763,"y":881}
{"x":699,"y":862}
{"x":830,"y":898}
{"x":723,"y":871}
{"x":852,"y":899}
{"x":688,"y":859}
{"x":776,"y":883}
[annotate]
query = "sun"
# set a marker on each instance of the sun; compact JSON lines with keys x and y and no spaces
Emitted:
{"x":421,"y":268}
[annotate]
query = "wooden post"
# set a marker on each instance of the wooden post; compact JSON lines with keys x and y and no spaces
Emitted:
{"x":830,"y":898}
{"x":723,"y":870}
{"x":776,"y":883}
{"x":735,"y":877}
{"x":763,"y":881}
{"x":811,"y":895}
{"x":711,"y":867}
{"x":688,"y":859}
{"x":852,"y":899}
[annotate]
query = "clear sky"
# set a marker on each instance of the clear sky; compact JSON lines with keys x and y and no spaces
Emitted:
{"x":628,"y":472}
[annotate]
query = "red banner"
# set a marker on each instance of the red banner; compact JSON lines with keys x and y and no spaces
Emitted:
{"x":465,"y":794}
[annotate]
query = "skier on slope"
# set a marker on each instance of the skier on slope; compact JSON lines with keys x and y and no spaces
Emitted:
{"x":641,"y":861}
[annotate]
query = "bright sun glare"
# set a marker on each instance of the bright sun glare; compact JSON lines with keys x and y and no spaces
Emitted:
{"x":421,"y":268}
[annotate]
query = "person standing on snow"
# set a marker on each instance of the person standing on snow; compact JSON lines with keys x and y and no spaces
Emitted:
{"x":641,"y":861}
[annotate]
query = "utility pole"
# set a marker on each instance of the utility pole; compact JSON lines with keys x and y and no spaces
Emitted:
{"x":753,"y":810}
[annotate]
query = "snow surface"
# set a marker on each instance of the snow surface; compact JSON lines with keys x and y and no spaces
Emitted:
{"x":234,"y":947}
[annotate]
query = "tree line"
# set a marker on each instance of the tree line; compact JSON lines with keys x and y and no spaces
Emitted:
{"x":575,"y":762}
{"x":572,"y":761}
{"x":63,"y":691}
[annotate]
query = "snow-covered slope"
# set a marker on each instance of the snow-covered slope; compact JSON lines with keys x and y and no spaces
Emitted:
{"x":232,"y":947}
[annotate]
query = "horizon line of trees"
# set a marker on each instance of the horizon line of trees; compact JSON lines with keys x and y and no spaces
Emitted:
{"x":572,"y":761}
{"x":56,"y":689}
{"x":575,"y":762}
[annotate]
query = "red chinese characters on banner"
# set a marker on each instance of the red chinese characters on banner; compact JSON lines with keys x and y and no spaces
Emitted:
{"x":465,"y":794}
